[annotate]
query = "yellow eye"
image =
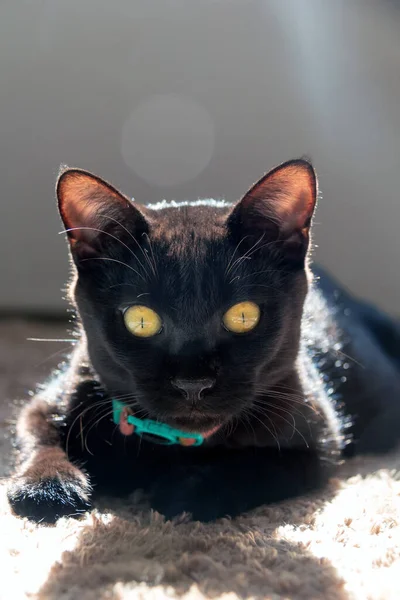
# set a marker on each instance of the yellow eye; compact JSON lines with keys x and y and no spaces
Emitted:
{"x":242,"y":317}
{"x":142,"y":321}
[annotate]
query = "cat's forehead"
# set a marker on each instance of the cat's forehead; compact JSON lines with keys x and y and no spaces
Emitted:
{"x":192,"y":270}
{"x":202,"y":219}
{"x":198,"y":267}
{"x":190,"y":239}
{"x":192,"y":254}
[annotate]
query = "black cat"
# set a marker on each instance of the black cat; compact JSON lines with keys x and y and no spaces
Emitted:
{"x":205,"y":318}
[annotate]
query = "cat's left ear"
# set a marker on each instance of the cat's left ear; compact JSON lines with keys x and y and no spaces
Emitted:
{"x":95,"y":214}
{"x":279,"y":207}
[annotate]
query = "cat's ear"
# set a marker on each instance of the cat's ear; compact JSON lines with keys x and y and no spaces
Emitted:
{"x":94,"y":213}
{"x":279,"y":207}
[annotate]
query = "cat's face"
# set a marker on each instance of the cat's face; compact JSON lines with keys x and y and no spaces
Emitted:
{"x":191,"y":311}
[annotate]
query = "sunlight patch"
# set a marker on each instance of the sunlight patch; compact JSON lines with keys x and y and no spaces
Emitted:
{"x":358,"y":533}
{"x":28,"y":552}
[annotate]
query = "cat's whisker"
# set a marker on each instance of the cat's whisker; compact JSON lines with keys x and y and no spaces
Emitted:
{"x":233,"y":424}
{"x":136,"y":242}
{"x":292,"y":392}
{"x":261,"y":407}
{"x":278,"y":406}
{"x":100,"y":418}
{"x":152,"y":253}
{"x":281,"y":386}
{"x":244,"y":418}
{"x":295,"y":429}
{"x":265,"y":272}
{"x":110,"y":287}
{"x":128,"y":399}
{"x":285,"y":396}
{"x":265,"y":390}
{"x":71,"y":427}
{"x":350,"y":358}
{"x":228,"y":268}
{"x":110,"y":235}
{"x":113,"y":260}
{"x":294,"y":412}
{"x":263,"y":285}
{"x":98,"y":405}
{"x":245,"y":256}
{"x":274,"y":433}
{"x":292,"y":424}
{"x":73,"y":341}
{"x":228,"y":427}
{"x":248,"y":411}
{"x":99,"y":410}
{"x":81,"y":414}
{"x":241,"y":278}
{"x":250,"y":253}
{"x":52,"y":356}
{"x":122,"y":396}
{"x":94,"y":422}
{"x":289,"y":401}
{"x":265,"y":413}
{"x":266,"y":410}
{"x":296,"y":399}
{"x":273,"y":426}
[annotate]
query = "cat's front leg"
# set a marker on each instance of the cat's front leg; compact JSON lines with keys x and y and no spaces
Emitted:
{"x":46,"y":485}
{"x":237,"y":481}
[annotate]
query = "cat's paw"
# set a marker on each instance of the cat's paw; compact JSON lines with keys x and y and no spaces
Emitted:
{"x":48,"y":500}
{"x":46,"y":492}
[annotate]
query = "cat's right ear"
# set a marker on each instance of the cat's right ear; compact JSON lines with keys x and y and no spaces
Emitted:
{"x":277,"y":211}
{"x":95,"y":214}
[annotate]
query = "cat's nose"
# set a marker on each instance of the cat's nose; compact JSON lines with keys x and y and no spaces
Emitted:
{"x":193,"y":389}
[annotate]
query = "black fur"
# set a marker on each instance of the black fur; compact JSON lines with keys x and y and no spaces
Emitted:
{"x":317,"y":380}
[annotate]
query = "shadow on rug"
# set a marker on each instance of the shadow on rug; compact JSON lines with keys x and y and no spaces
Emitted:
{"x":342,"y":543}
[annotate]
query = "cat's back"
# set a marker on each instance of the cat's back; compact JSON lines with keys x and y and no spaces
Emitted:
{"x":356,"y":349}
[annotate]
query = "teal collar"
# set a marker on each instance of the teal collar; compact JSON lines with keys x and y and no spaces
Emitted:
{"x":153,"y":431}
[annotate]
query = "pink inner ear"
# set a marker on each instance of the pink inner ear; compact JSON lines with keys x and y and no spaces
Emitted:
{"x":83,"y":221}
{"x":82,"y":198}
{"x":295,"y":212}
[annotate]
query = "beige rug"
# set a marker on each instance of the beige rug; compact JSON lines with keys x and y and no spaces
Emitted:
{"x":339,"y":545}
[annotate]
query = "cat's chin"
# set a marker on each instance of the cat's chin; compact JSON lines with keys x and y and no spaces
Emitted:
{"x":198,"y":424}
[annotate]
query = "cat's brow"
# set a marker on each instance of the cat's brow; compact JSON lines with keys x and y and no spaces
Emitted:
{"x":233,"y":255}
{"x":136,"y":242}
{"x":245,"y":256}
{"x":115,"y":238}
{"x":120,"y":262}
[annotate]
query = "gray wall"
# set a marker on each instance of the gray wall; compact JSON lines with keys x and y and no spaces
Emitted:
{"x":194,"y":98}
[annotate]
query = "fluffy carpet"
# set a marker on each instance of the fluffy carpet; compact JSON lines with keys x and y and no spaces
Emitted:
{"x":344,"y":543}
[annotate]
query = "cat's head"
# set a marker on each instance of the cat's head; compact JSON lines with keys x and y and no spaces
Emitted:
{"x":191,"y":310}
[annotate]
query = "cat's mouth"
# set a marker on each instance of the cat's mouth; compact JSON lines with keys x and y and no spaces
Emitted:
{"x":204,"y":424}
